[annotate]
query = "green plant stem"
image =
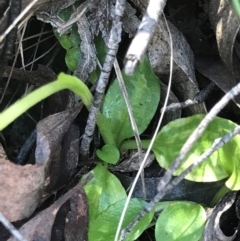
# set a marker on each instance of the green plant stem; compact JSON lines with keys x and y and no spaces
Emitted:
{"x":79,"y":88}
{"x":63,"y":82}
{"x":22,"y":105}
{"x":132,"y":145}
{"x":219,"y":195}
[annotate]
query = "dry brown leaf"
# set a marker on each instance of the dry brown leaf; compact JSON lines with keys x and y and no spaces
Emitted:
{"x":63,"y":162}
{"x":226,"y":24}
{"x":21,"y":186}
{"x":76,"y":228}
{"x":215,"y":71}
{"x":40,"y":227}
{"x":20,"y":189}
{"x":131,"y":163}
{"x":184,"y":83}
{"x":50,"y":133}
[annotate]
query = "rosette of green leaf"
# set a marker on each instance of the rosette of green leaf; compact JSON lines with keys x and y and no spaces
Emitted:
{"x":104,"y":226}
{"x":106,"y":199}
{"x":144,"y":94}
{"x":180,"y":221}
{"x":221,"y":164}
{"x":103,"y":190}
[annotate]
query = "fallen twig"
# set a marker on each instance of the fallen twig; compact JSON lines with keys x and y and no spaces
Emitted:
{"x":11,"y":228}
{"x":146,"y":29}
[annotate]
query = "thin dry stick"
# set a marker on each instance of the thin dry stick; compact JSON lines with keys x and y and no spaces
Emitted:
{"x":36,"y":35}
{"x":126,"y":231}
{"x":41,"y":56}
{"x":42,"y":40}
{"x":13,"y":65}
{"x":146,"y":29}
{"x":200,"y":97}
{"x":183,"y":152}
{"x":11,"y":228}
{"x":132,"y":120}
{"x":114,"y":40}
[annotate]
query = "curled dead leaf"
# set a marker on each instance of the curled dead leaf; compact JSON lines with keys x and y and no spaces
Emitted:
{"x":131,"y":163}
{"x":40,"y":227}
{"x":215,"y":71}
{"x":212,"y":230}
{"x":184,"y":83}
{"x":50,"y":132}
{"x":20,"y":189}
{"x":226,"y":24}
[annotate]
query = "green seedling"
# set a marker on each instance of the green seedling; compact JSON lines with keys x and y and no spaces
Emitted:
{"x":106,"y":196}
{"x":178,"y":221}
{"x":114,"y":124}
{"x":63,"y":82}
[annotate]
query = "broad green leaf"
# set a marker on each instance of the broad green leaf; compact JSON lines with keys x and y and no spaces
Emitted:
{"x":109,"y":154}
{"x":104,"y":226}
{"x":144,"y":93}
{"x":103,"y":190}
{"x":229,"y":159}
{"x":218,"y":166}
{"x":180,"y":221}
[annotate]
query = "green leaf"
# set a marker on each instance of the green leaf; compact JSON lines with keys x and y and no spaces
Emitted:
{"x":72,"y":58}
{"x":101,"y":48}
{"x":144,"y":93}
{"x":70,"y":41}
{"x":236,"y":6}
{"x":104,"y":226}
{"x":103,"y":190}
{"x":180,"y":221}
{"x":219,"y":165}
{"x":109,"y":154}
{"x":66,"y":13}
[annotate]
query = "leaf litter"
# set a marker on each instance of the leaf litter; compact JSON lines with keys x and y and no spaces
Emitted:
{"x":184,"y":78}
